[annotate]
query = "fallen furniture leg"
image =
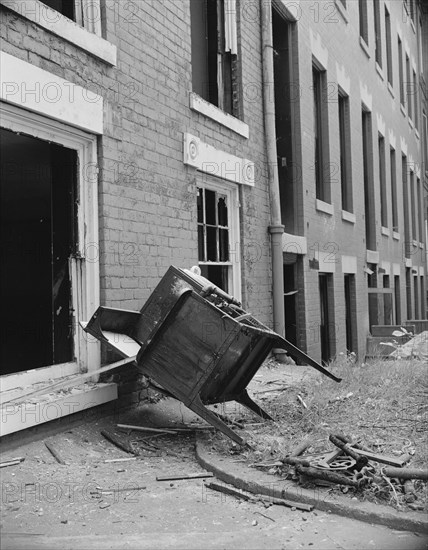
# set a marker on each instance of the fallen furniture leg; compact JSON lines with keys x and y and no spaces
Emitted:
{"x":298,"y":354}
{"x":199,"y":408}
{"x":246,"y":400}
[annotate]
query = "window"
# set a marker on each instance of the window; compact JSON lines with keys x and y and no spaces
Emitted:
{"x":413,"y":206}
{"x":369,"y":199}
{"x":345,"y":152}
{"x":425,"y":139}
{"x":378,"y":32}
{"x":409,"y":87}
{"x":415,"y":99}
{"x":397,"y":299}
{"x":218,"y":237}
{"x":416,"y":295}
{"x":214,"y":52}
{"x":400,"y":71}
{"x":388,"y":46}
{"x":404,"y":179}
{"x":70,"y":8}
{"x":364,"y":31}
{"x":393,"y":168}
{"x":321,"y":152}
{"x":382,"y":182}
{"x":420,"y":201}
{"x":350,"y":313}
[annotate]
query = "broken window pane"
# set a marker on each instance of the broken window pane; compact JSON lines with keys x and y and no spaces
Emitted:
{"x":222,"y":211}
{"x":224,"y":245}
{"x":212,"y":244}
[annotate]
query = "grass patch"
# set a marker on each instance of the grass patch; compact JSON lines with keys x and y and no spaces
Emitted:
{"x":382,"y":404}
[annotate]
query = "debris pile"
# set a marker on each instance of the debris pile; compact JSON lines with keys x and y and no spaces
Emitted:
{"x":353,"y":466}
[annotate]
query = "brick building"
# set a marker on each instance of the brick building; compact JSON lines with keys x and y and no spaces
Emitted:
{"x":133,"y":138}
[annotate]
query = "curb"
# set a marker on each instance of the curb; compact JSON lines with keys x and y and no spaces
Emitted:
{"x":258,"y":482}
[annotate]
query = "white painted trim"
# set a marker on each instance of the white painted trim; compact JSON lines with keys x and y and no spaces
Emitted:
{"x":32,"y":88}
{"x":84,"y":271}
{"x":294,"y":244}
{"x":209,"y":110}
{"x":15,"y":418}
{"x":34,"y":376}
{"x":385,"y":231}
{"x":215,"y":162}
{"x":324,"y":207}
{"x":319,"y":52}
{"x":349,"y":264}
{"x":327,"y":261}
{"x":349,"y":216}
{"x":387,"y":267}
{"x":396,"y":236}
{"x":232,"y":193}
{"x":87,"y":38}
{"x":372,"y":256}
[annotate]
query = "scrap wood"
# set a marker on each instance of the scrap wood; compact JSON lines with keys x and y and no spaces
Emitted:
{"x":145,"y":429}
{"x":228,"y":491}
{"x":120,"y":459}
{"x":261,"y":498}
{"x":265,"y":516}
{"x":117,"y":490}
{"x":183,"y":476}
{"x":288,"y":503}
{"x":293,"y":460}
{"x":12,"y":461}
{"x":361,"y":450}
{"x":119,"y":442}
{"x":327,"y":475}
{"x":406,"y":473}
{"x":156,"y":447}
{"x":55,"y":453}
{"x":300,"y":449}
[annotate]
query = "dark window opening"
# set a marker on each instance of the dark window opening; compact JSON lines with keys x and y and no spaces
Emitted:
{"x":409,"y":87}
{"x":413,"y":207}
{"x":401,"y":72}
{"x":66,"y":7}
{"x":321,"y":148}
{"x":290,"y":301}
{"x":409,"y":294}
{"x":388,"y":46}
{"x":364,"y":31}
{"x":416,"y":296}
{"x":350,"y":313}
{"x":327,"y":326}
{"x":369,"y":198}
{"x":213,"y":237}
{"x":397,"y":299}
{"x":214,"y":54}
{"x":382,"y":182}
{"x":345,"y":152}
{"x":393,"y":169}
{"x":285,"y":103}
{"x":378,"y":32}
{"x":38,"y":221}
{"x":407,"y":237}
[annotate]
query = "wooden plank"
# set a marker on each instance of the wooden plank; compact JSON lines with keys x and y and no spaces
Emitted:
{"x":146,"y":429}
{"x":54,"y":452}
{"x":184,"y":476}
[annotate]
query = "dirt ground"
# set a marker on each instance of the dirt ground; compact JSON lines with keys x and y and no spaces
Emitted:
{"x":88,"y":503}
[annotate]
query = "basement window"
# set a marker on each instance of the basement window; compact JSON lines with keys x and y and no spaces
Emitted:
{"x":214,"y":52}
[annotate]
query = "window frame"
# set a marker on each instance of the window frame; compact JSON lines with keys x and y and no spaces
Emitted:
{"x":86,"y":35}
{"x":382,"y":181}
{"x":363,"y":23}
{"x":231,"y":192}
{"x":345,"y":149}
{"x":321,"y":134}
{"x":226,"y":68}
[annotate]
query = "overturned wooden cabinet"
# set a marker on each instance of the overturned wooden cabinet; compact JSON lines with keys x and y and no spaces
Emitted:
{"x":196,"y":342}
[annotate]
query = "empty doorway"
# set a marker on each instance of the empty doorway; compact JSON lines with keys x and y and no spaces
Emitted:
{"x":38,"y":228}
